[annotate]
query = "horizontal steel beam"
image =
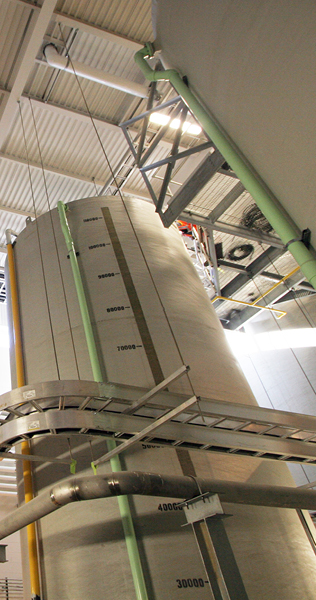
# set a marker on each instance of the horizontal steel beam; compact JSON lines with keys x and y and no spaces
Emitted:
{"x":226,"y":202}
{"x":16,"y":211}
{"x":148,"y":112}
{"x":39,"y":21}
{"x":269,"y":300}
{"x":100,"y":32}
{"x":173,"y":159}
{"x":255,"y":268}
{"x":235,"y":230}
{"x":64,"y":111}
{"x":36,"y":165}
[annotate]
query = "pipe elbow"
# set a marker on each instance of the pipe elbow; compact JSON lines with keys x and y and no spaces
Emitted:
{"x":53,"y":58}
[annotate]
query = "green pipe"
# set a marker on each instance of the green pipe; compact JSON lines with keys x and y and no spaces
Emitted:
{"x":92,"y":349}
{"x":270,"y":206}
{"x":129,"y":533}
{"x":124,"y":507}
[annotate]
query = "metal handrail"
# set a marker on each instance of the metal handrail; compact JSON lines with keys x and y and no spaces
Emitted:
{"x":11,"y":589}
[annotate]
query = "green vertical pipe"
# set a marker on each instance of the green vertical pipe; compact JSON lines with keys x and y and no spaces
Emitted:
{"x":124,"y":507}
{"x":270,"y":206}
{"x":129,"y":533}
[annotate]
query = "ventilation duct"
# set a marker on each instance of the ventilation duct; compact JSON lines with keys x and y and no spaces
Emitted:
{"x":62,"y":62}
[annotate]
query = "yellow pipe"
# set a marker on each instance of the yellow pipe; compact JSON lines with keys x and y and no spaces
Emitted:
{"x":281,"y":312}
{"x":276,"y":284}
{"x":27,"y":472}
{"x":31,"y":530}
{"x":16,"y":319}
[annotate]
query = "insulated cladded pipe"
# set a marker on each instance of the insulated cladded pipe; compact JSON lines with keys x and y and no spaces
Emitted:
{"x":124,"y":483}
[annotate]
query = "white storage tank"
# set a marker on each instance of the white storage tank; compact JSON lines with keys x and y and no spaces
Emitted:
{"x":150,"y":316}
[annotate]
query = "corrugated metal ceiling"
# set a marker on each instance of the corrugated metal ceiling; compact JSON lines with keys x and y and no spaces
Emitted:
{"x":126,"y":17}
{"x":67,"y":144}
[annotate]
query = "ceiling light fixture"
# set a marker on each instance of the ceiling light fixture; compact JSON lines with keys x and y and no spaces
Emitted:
{"x":161,"y":119}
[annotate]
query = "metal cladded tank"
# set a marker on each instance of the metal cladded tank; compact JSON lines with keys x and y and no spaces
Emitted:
{"x":82,"y":546}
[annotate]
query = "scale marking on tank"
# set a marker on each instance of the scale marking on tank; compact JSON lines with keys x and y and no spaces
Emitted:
{"x":131,"y":291}
{"x":168,"y":506}
{"x":105,"y":275}
{"x":129,"y":347}
{"x":112,"y":309}
{"x":92,"y":219}
{"x":189,"y":582}
{"x":101,"y":245}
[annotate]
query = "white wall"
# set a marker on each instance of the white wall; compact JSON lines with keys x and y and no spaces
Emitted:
{"x":12,"y":569}
{"x":5,"y":379}
{"x":285,"y":379}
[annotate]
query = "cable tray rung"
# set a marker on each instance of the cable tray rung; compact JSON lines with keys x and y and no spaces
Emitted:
{"x":105,"y":409}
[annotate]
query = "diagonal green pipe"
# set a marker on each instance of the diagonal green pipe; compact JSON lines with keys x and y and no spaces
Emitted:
{"x":124,"y":507}
{"x":92,"y":349}
{"x":269,"y":206}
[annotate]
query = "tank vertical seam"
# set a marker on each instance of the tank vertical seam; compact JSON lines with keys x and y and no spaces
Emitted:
{"x":131,"y":291}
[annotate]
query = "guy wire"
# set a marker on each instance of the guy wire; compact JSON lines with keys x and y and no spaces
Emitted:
{"x":128,"y":216}
{"x":56,"y":248}
{"x":39,"y":241}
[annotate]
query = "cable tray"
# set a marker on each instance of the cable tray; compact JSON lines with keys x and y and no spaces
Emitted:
{"x":106,"y":409}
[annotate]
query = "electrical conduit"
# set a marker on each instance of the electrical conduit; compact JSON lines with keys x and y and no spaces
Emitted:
{"x":27,"y":470}
{"x":124,"y":507}
{"x":268,"y":205}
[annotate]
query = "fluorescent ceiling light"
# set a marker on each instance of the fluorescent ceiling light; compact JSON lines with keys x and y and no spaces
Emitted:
{"x":161,"y":119}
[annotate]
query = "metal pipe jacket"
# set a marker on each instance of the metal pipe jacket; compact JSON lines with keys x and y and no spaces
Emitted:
{"x":151,"y":484}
